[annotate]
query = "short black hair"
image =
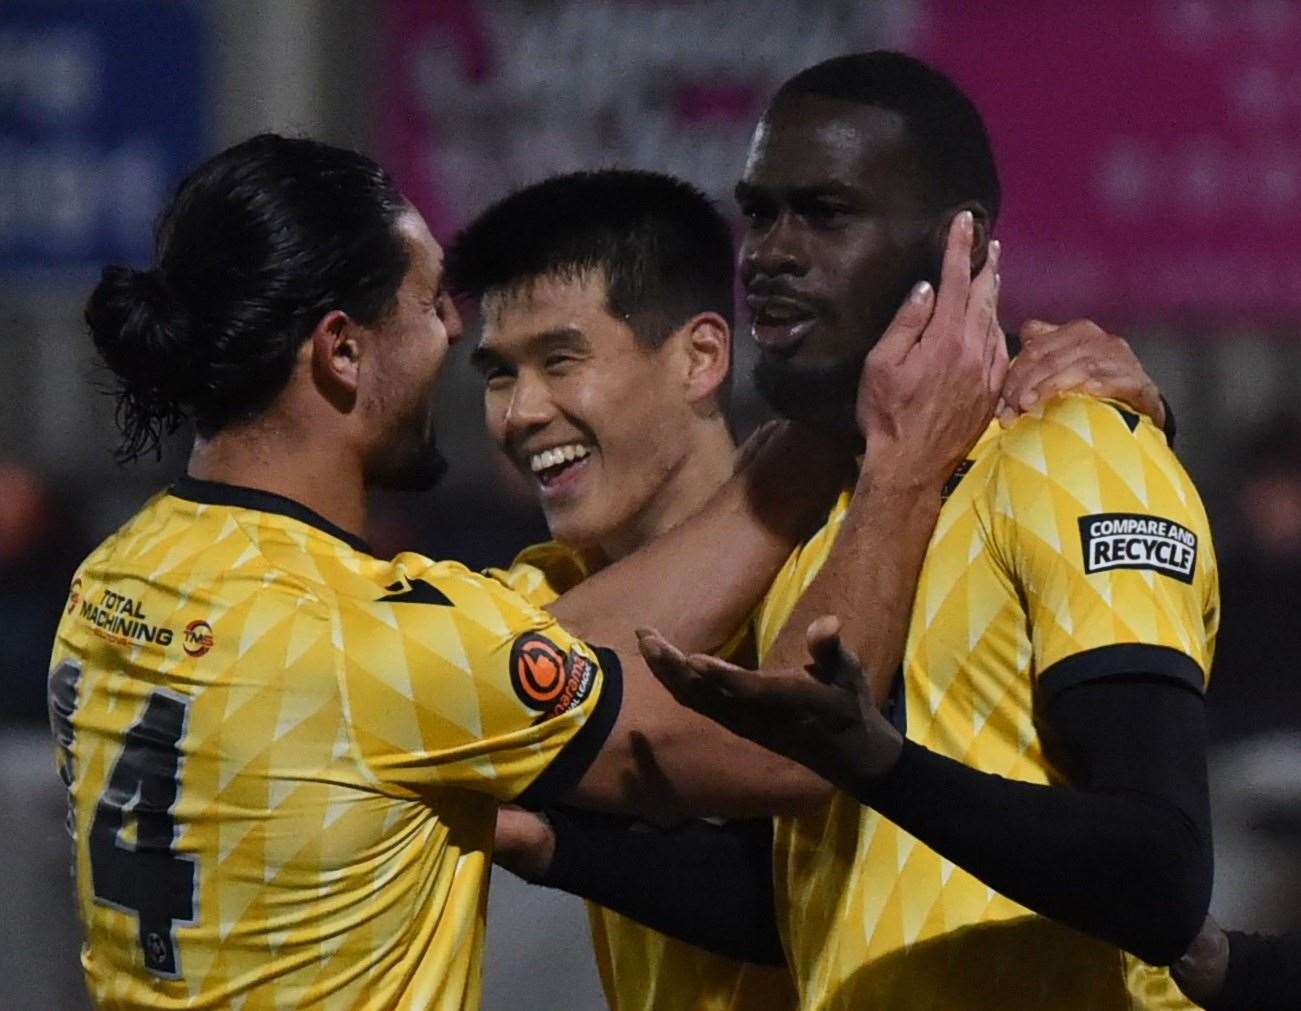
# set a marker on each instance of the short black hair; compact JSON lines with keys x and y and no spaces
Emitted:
{"x":947,"y":129}
{"x":661,"y":245}
{"x":257,"y":245}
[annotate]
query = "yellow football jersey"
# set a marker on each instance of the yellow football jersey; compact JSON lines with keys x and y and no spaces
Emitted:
{"x":1074,"y":543}
{"x":640,"y":968}
{"x":284,"y":756}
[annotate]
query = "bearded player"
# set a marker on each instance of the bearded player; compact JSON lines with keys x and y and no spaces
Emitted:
{"x":607,"y":304}
{"x":1031,"y":830}
{"x":284,"y":755}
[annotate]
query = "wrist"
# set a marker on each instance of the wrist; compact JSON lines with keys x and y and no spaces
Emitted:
{"x":905,"y":489}
{"x":893,"y":471}
{"x":883,"y":770}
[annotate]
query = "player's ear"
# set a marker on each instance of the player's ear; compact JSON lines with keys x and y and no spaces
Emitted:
{"x":939,"y":237}
{"x":335,"y":349}
{"x":707,"y":355}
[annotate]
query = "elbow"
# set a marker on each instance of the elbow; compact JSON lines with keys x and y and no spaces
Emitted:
{"x":1179,"y":904}
{"x":1172,"y":932}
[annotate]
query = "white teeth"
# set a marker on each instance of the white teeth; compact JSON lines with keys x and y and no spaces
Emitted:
{"x":557,"y":455}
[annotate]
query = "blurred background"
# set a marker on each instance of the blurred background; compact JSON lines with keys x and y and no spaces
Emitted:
{"x":1151,"y":159}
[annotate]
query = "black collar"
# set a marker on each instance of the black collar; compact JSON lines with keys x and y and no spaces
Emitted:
{"x":216,"y":493}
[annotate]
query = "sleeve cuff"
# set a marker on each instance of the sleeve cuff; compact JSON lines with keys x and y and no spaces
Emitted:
{"x":1121,"y":660}
{"x":1169,"y":428}
{"x":568,"y":767}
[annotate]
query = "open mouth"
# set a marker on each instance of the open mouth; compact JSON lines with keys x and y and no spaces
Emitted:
{"x":559,"y":466}
{"x":780,"y":325}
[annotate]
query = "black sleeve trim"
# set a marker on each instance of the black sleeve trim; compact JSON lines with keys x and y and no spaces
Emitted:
{"x":568,"y":767}
{"x":1121,"y":660}
{"x":1169,"y":427}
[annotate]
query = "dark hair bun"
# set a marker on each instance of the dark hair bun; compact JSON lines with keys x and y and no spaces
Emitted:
{"x":256,"y":246}
{"x":142,"y":333}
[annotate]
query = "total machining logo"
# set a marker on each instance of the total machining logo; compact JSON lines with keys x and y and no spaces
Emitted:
{"x":1132,"y":541}
{"x":122,"y":619}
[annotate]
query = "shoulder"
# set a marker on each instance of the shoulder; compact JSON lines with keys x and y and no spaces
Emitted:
{"x":1091,"y":450}
{"x":542,"y":572}
{"x":1079,"y":423}
{"x":1088,"y":472}
{"x":412,"y":591}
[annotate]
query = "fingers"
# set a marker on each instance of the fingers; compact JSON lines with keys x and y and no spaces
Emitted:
{"x":907,"y":326}
{"x":955,"y":274}
{"x":1046,"y":351}
{"x":675,"y":672}
{"x":832,"y":662}
{"x":1033,"y":328}
{"x":760,"y":705}
{"x":753,"y":446}
{"x":983,"y":306}
{"x":1032,"y":380}
{"x":666,"y":661}
{"x":1078,"y":355}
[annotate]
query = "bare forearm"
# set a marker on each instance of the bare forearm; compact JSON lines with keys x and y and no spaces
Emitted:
{"x":868,"y":579}
{"x":699,"y":581}
{"x":665,"y":762}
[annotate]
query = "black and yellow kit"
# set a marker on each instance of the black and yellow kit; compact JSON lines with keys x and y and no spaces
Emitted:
{"x":284,"y":756}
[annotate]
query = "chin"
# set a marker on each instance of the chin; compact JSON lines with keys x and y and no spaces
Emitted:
{"x":821,"y":394}
{"x":569,"y":528}
{"x":418,"y":472}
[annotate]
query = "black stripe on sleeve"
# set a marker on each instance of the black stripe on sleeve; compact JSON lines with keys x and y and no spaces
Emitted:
{"x":1119,"y":660}
{"x":567,"y":768}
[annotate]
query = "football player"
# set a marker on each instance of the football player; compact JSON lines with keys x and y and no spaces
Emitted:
{"x":607,"y":319}
{"x":283,"y":754}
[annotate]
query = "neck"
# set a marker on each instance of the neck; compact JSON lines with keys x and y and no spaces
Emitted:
{"x":706,"y":466}
{"x":277,"y":456}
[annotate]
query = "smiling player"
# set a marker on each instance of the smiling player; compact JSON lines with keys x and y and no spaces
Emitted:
{"x":607,"y":304}
{"x":284,"y":755}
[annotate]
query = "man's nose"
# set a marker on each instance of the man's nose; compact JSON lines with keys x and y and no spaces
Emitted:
{"x":777,"y":249}
{"x":530,"y":405}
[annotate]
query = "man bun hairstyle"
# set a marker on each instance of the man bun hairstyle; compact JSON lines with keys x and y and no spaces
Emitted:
{"x":947,"y":129}
{"x":256,"y":246}
{"x":662,"y":246}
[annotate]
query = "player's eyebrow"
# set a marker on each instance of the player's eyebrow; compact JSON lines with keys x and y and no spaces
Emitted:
{"x":744,"y":191}
{"x":485,"y":357}
{"x":834,"y":188}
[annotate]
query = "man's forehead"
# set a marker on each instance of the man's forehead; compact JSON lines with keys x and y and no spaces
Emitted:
{"x":805,"y":137}
{"x":543,"y":297}
{"x":562,"y":299}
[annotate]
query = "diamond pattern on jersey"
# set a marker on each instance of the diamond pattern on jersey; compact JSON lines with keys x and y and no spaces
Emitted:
{"x":642,"y":969}
{"x":871,"y":916}
{"x":340,"y":765}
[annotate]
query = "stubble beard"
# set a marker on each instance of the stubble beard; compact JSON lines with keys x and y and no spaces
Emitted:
{"x":410,"y":459}
{"x":820,"y":394}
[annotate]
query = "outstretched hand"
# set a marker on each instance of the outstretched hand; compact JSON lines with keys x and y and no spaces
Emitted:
{"x":823,"y":716}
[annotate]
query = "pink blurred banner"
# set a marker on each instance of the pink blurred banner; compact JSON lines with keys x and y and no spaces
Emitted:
{"x":484,"y":96}
{"x":1150,"y":151}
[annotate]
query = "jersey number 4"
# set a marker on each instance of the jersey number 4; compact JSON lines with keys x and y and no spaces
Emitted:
{"x":141,"y":876}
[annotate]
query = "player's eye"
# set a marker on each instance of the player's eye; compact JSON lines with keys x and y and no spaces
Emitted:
{"x":559,"y":362}
{"x":825,"y":213}
{"x":498,"y":377}
{"x":758,"y":212}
